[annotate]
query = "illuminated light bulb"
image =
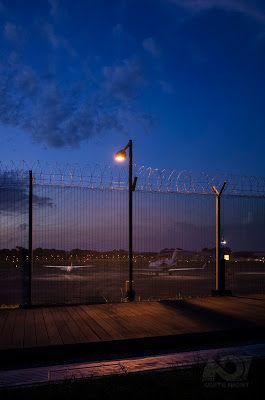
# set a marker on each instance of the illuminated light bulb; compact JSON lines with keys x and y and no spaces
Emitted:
{"x":120,"y":156}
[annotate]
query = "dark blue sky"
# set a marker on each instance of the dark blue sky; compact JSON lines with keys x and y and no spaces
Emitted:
{"x":184,"y":79}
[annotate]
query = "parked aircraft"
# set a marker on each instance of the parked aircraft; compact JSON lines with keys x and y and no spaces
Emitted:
{"x":170,"y":265}
{"x":165,"y":263}
{"x":68,"y":268}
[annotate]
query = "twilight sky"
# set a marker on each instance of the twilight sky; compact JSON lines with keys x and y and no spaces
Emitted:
{"x":183,"y":78}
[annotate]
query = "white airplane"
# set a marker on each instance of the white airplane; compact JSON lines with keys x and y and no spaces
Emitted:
{"x":165,"y":263}
{"x":68,"y":268}
{"x":169,"y":265}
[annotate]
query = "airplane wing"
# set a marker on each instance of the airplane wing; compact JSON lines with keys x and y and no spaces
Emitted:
{"x":187,"y":269}
{"x":169,"y":270}
{"x":65,"y":267}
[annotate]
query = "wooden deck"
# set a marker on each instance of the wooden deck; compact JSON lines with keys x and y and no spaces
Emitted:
{"x":59,"y":327}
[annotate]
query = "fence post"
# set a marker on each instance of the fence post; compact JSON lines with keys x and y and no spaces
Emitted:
{"x":219,"y":257}
{"x":30,"y":249}
{"x":132,"y":183}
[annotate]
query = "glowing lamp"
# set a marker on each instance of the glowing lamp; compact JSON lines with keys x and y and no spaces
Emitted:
{"x":226,"y":257}
{"x":120,"y":156}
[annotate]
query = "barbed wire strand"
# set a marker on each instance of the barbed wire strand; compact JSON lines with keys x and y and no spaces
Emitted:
{"x":97,"y":176}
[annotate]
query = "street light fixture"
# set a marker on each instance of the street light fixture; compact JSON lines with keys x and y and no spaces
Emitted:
{"x":120,"y":156}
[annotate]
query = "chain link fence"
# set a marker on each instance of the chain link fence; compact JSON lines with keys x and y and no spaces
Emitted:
{"x":80,"y":234}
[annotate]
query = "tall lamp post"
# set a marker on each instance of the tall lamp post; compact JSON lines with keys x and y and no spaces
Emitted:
{"x":120,"y":156}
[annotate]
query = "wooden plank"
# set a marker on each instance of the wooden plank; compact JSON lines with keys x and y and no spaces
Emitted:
{"x":19,"y":329}
{"x":7,"y":331}
{"x":29,"y":329}
{"x":102,"y":322}
{"x":248,"y":310}
{"x":168,"y":324}
{"x":169,"y":318}
{"x":70,"y":318}
{"x":231,"y":305}
{"x":115,"y":320}
{"x":179,"y":319}
{"x":256,"y":304}
{"x":102,"y":332}
{"x":52,"y":330}
{"x":115,"y":329}
{"x":88,"y":333}
{"x":105,"y":322}
{"x":230,"y":308}
{"x":146,"y":320}
{"x":136,"y":325}
{"x":62,"y":325}
{"x":197,"y":319}
{"x":3,"y":317}
{"x":42,"y":337}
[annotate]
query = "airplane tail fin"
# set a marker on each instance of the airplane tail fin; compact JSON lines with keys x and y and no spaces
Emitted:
{"x":174,"y":256}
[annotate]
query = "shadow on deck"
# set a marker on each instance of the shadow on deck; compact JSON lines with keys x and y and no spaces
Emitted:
{"x":99,"y":331}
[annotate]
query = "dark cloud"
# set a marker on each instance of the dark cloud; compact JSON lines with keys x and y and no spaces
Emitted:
{"x":59,"y":115}
{"x":251,"y":9}
{"x":122,"y":80}
{"x":14,"y":194}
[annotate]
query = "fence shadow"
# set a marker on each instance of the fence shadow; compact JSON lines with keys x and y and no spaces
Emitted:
{"x":207,"y":316}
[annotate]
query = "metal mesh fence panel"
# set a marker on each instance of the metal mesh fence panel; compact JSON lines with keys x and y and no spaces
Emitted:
{"x":80,"y":245}
{"x":13,"y":237}
{"x":243,"y":227}
{"x":80,"y":235}
{"x":173,"y":242}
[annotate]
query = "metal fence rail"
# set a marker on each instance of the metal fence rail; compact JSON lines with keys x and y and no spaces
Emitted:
{"x":80,"y":235}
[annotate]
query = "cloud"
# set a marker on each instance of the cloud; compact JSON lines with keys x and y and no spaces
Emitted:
{"x":151,"y":47}
{"x":13,"y":33}
{"x":57,"y":9}
{"x":122,"y":38}
{"x":14,"y":194}
{"x":57,"y":41}
{"x":10,"y":31}
{"x":122,"y":80}
{"x":250,"y":9}
{"x":59,"y":116}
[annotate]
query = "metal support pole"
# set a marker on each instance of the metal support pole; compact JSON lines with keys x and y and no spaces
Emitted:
{"x":30,"y":250}
{"x":120,"y":156}
{"x":130,"y":294}
{"x":219,"y":281}
{"x":219,"y":257}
